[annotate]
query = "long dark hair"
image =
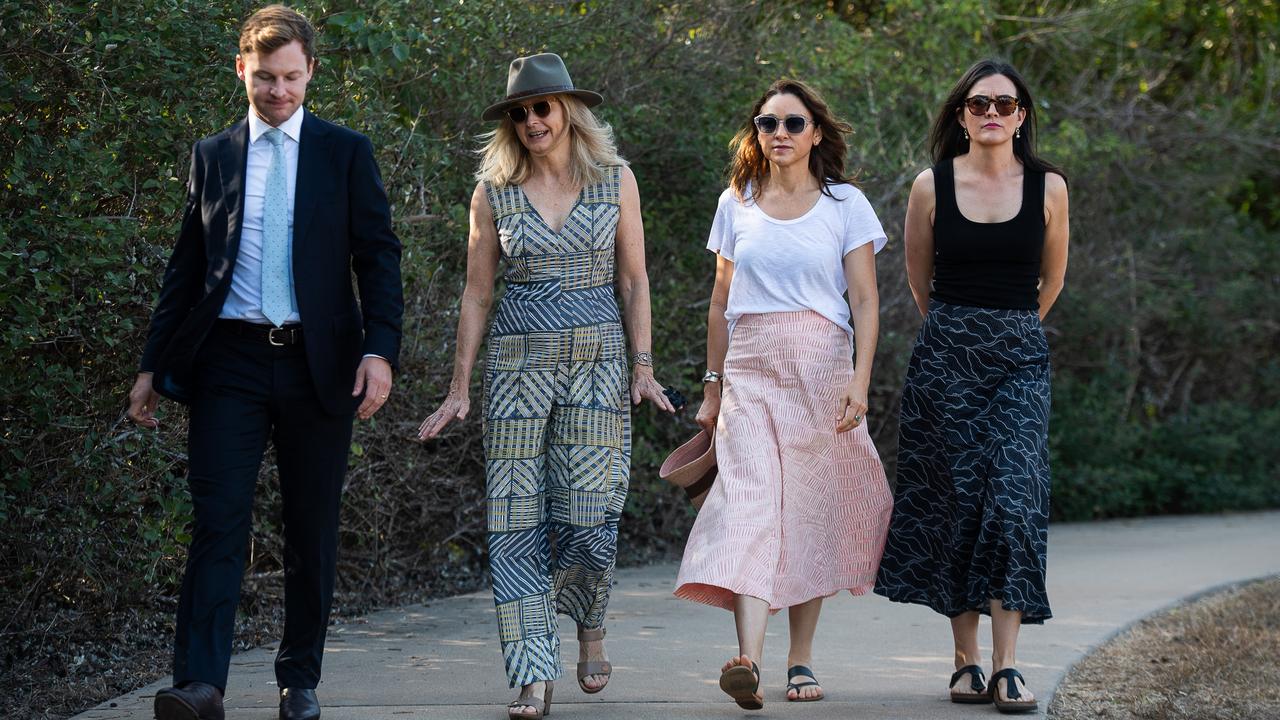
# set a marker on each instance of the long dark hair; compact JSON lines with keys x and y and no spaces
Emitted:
{"x":946,"y":138}
{"x":826,"y":159}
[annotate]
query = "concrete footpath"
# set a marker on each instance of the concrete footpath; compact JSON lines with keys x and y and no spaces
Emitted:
{"x":876,"y":659}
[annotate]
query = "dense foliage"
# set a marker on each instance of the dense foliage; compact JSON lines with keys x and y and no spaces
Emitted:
{"x":1164,"y":343}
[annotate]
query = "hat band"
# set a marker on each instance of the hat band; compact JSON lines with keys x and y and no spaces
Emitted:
{"x":548,"y":90}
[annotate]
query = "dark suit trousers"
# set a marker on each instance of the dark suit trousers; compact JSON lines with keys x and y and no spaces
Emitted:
{"x":248,"y":393}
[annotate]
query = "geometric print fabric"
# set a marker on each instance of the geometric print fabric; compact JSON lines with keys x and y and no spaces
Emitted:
{"x":556,"y":424}
{"x":971,"y":508}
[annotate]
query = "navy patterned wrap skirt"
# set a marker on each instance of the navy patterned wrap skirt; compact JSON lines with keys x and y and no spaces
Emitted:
{"x":971,"y":505}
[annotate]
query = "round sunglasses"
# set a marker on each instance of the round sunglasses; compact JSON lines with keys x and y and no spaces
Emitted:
{"x":520,"y":113}
{"x":978,"y":104}
{"x":768,"y":124}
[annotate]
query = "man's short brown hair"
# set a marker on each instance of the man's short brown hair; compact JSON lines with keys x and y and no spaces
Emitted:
{"x":275,"y":26}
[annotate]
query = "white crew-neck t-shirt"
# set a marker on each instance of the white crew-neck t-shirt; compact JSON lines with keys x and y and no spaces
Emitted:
{"x":789,"y":265}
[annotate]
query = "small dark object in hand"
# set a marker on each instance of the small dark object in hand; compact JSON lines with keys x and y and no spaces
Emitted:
{"x":678,"y":401}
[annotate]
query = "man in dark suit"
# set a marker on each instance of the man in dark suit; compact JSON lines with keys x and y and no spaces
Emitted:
{"x":258,"y":330}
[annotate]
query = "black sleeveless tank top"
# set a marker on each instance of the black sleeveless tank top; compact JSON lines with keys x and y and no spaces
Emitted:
{"x":990,"y":265}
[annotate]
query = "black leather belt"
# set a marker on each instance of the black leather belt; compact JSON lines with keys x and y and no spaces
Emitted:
{"x":278,"y":336}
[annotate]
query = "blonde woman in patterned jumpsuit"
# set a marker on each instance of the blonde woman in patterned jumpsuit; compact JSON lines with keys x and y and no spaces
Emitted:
{"x":561,"y":208}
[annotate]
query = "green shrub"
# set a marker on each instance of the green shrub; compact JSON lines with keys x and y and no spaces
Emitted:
{"x":1165,"y":374}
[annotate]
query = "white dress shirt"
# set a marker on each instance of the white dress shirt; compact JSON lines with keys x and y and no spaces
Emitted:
{"x":244,"y":302}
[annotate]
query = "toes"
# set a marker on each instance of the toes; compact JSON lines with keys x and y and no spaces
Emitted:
{"x":1024,"y":694}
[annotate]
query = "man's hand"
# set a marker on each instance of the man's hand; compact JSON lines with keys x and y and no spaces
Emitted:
{"x":373,"y":378}
{"x":143,"y":401}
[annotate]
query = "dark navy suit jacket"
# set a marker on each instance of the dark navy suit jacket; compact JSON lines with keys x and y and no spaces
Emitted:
{"x":342,"y":225}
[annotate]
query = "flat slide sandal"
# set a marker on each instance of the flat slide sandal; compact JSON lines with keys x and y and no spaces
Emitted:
{"x":742,"y":683}
{"x":797,"y":671}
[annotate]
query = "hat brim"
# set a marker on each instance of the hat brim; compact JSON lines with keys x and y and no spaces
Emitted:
{"x":498,"y":109}
{"x":692,"y":467}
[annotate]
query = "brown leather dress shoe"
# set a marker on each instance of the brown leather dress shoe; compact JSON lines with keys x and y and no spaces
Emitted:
{"x":299,"y":704}
{"x":192,"y":701}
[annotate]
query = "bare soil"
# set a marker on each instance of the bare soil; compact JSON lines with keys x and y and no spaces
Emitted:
{"x":1215,"y":658}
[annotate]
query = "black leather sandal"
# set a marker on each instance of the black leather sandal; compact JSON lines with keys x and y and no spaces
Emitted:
{"x":742,"y":684}
{"x":977,"y":683}
{"x":1011,"y":691}
{"x":796,"y":671}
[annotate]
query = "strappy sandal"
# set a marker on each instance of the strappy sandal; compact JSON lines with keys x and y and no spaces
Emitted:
{"x":977,"y":683}
{"x":541,"y":706}
{"x":796,"y":671}
{"x":1011,"y":691}
{"x":587,"y":668}
{"x":742,"y":684}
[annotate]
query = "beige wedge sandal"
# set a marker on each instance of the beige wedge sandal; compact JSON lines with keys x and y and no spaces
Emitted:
{"x":541,"y":706}
{"x":588,"y":668}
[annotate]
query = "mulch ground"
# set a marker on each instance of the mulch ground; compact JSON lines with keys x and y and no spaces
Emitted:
{"x":1217,"y":658}
{"x":75,"y":662}
{"x":60,"y":674}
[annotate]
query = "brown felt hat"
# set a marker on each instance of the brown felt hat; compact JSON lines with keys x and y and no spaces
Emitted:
{"x":692,"y":467}
{"x":534,"y":76}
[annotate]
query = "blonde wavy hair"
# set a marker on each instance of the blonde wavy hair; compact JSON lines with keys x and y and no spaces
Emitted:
{"x":504,"y":160}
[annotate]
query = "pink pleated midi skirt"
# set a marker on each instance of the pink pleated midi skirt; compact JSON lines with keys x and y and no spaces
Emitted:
{"x":798,"y":511}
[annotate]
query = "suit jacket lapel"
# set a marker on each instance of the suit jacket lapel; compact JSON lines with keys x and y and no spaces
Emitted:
{"x":313,"y":159}
{"x":233,"y":153}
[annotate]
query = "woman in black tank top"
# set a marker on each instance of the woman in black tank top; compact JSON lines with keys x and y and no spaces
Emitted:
{"x":986,"y":244}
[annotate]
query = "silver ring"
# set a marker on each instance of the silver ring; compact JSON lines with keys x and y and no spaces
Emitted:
{"x":857,"y":418}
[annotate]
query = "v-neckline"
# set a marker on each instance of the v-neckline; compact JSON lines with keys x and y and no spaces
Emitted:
{"x":538,"y":214}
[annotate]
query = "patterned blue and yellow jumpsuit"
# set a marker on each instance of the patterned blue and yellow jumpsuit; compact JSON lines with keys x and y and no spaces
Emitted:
{"x":557,"y":424}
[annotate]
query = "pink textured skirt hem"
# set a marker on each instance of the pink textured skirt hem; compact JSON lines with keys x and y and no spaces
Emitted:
{"x":798,"y":511}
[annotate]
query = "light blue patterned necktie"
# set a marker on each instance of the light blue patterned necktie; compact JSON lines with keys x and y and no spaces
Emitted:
{"x":277,"y":278}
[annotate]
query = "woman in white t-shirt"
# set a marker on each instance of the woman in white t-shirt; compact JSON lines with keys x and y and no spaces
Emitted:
{"x":801,"y":507}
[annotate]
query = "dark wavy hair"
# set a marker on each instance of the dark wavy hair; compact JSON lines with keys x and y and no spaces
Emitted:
{"x":826,"y":160}
{"x":946,"y":138}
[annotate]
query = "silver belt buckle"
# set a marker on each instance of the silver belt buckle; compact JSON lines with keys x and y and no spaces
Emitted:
{"x":271,"y":336}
